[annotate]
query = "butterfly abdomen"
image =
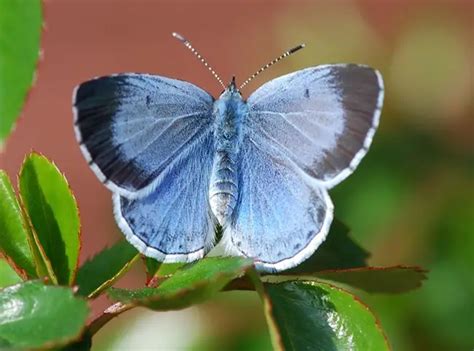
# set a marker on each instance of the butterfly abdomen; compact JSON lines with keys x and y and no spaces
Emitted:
{"x":229,"y":113}
{"x":224,"y":187}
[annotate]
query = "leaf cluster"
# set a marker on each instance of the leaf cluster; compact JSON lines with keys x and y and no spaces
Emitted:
{"x":49,"y":305}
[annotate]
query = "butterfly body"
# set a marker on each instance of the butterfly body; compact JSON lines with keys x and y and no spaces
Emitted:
{"x":179,"y":161}
{"x":230,"y":112}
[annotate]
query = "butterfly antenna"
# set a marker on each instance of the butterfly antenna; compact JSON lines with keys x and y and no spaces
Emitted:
{"x":198,"y":55}
{"x":271,"y":63}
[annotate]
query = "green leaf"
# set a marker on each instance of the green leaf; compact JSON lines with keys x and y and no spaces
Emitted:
{"x":338,"y":251}
{"x":54,"y":215}
{"x":169,"y":268}
{"x":14,"y":236}
{"x":20,"y":31}
{"x":105,"y":268}
{"x":151,"y":267}
{"x":388,"y":280}
{"x":396,"y":279}
{"x":190,"y":285}
{"x":7,"y":275}
{"x":34,"y":315}
{"x":317,"y":316}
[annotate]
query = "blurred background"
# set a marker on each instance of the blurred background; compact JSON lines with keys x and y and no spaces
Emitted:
{"x":411,"y":201}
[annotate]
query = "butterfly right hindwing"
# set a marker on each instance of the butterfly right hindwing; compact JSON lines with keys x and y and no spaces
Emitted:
{"x":281,"y":217}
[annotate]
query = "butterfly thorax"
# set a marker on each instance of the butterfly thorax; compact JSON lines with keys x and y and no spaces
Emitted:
{"x":229,"y":112}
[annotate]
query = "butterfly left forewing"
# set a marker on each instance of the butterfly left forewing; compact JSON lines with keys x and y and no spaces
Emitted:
{"x":134,"y":128}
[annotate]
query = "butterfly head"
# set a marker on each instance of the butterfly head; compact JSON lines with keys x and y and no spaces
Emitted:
{"x":231,"y":92}
{"x":230,"y":102}
{"x":232,"y":88}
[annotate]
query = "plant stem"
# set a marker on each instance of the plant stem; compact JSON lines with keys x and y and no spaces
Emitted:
{"x":117,"y":308}
{"x":267,"y":307}
{"x":111,"y":281}
{"x":108,"y":314}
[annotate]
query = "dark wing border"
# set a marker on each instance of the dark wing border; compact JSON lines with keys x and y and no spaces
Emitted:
{"x":343,"y":174}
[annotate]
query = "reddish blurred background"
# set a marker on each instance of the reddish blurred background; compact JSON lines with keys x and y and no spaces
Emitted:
{"x":410,"y":202}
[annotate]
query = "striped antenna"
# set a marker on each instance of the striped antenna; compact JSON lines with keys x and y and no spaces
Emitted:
{"x":271,"y":63}
{"x":198,"y":55}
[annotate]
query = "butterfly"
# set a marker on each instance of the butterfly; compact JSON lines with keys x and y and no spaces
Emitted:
{"x":181,"y":164}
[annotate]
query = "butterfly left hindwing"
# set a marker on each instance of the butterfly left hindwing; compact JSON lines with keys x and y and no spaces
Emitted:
{"x":173,"y":223}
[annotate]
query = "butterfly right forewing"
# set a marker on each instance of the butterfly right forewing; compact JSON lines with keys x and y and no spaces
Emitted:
{"x":322,"y":118}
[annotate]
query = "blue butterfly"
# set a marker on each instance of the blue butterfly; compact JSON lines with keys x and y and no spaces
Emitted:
{"x":180,"y":162}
